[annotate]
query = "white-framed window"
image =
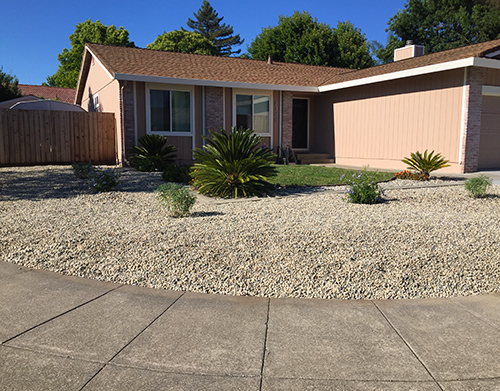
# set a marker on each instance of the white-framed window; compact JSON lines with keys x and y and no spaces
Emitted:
{"x":169,"y":109}
{"x":95,"y":102}
{"x":252,"y":110}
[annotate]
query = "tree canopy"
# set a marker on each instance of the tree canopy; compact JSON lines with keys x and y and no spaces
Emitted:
{"x":8,"y":86}
{"x":300,"y":38}
{"x":91,"y":32}
{"x":183,"y":42}
{"x":442,"y":24}
{"x":208,"y":24}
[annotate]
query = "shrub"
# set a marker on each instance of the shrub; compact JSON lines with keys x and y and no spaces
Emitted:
{"x":411,"y":175}
{"x":477,"y":186}
{"x":154,"y":154}
{"x":233,"y":164}
{"x":426,"y":163}
{"x":82,"y":170}
{"x":103,"y":180}
{"x":361,"y":189}
{"x":175,"y":173}
{"x":176,"y":198}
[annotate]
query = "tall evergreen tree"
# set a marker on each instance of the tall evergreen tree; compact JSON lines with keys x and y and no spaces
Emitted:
{"x":8,"y":86}
{"x":208,"y":24}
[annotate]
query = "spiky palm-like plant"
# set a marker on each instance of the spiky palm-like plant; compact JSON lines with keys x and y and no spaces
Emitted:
{"x":425,"y":163}
{"x":154,"y":154}
{"x":233,"y":165}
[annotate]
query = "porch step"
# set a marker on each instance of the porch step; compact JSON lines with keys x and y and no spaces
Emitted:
{"x":314,"y":158}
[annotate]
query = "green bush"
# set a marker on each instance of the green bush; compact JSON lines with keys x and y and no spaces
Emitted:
{"x":233,"y":164}
{"x":426,"y":163}
{"x":176,"y":198}
{"x":175,"y":173}
{"x":361,"y":189}
{"x":82,"y":170}
{"x":154,"y":154}
{"x":477,"y":186}
{"x":103,"y":180}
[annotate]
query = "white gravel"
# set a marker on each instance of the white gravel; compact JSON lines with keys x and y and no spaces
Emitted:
{"x":420,"y":242}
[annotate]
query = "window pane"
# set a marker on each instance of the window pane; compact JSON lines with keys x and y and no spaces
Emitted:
{"x":181,"y":111}
{"x":244,"y":111}
{"x":160,"y":110}
{"x":261,"y":114}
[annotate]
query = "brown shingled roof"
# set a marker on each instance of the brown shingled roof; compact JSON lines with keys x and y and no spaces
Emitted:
{"x":477,"y":50}
{"x":135,"y":61}
{"x":66,"y":95}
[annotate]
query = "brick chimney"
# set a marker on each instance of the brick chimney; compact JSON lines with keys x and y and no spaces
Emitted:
{"x":409,"y":51}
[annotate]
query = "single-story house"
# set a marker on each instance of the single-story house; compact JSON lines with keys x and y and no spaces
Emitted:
{"x":62,"y":94}
{"x":447,"y":101}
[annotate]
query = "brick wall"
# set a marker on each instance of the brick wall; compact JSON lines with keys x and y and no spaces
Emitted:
{"x":287,"y":119}
{"x":214,"y":108}
{"x":472,"y":119}
{"x":128,"y":118}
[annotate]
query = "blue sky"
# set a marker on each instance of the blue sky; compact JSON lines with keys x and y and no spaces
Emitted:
{"x":33,"y":33}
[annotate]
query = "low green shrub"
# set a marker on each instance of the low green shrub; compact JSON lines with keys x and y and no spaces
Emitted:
{"x":425,"y":163}
{"x":176,"y":198}
{"x":154,"y":154}
{"x":82,"y":170}
{"x":477,"y":186}
{"x":361,"y":189}
{"x":103,"y":180}
{"x":175,"y":173}
{"x":233,"y":165}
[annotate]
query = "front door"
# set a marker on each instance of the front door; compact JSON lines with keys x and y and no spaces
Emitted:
{"x":300,"y":125}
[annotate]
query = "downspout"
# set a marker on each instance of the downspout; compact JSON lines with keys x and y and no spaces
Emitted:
{"x":463,"y":131}
{"x":203,"y":120}
{"x":122,"y":127}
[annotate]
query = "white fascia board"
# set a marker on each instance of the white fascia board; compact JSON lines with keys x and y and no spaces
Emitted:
{"x":100,"y":63}
{"x":213,"y":83}
{"x":465,"y":62}
{"x":486,"y":62}
{"x":494,"y":54}
{"x":491,"y":90}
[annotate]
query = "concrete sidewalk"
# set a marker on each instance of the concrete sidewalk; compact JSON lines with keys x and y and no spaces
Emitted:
{"x":68,"y":333}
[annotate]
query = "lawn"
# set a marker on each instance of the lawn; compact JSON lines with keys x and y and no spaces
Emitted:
{"x":299,"y":175}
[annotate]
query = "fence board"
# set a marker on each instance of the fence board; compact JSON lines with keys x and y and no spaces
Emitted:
{"x":55,"y":137}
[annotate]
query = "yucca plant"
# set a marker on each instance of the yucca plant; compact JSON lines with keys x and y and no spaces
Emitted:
{"x":425,"y":163}
{"x":233,"y":165}
{"x":154,"y":154}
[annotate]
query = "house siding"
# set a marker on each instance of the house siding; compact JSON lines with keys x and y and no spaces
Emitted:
{"x":379,"y":124}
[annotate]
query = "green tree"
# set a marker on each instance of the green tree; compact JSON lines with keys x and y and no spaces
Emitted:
{"x":300,"y":38}
{"x":8,"y":86}
{"x":86,"y":32}
{"x":208,"y":24}
{"x":353,"y":49}
{"x":442,"y":24}
{"x":183,"y":42}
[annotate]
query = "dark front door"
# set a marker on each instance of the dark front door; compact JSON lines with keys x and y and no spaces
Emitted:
{"x":300,"y":124}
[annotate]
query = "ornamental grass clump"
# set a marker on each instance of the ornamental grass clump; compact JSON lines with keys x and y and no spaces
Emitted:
{"x":176,"y":198}
{"x":477,"y":186}
{"x":361,"y":189}
{"x":425,"y":163}
{"x":103,"y":180}
{"x":233,"y":165}
{"x":154,"y":154}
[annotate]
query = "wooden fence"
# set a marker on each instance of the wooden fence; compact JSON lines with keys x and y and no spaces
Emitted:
{"x":31,"y":137}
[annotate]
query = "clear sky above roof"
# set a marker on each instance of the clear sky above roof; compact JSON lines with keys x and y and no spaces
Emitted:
{"x":33,"y":33}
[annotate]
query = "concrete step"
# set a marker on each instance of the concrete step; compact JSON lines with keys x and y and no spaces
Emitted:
{"x":316,"y":161}
{"x":314,"y":158}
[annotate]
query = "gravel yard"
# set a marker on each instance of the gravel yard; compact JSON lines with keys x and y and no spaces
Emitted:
{"x":420,"y":242}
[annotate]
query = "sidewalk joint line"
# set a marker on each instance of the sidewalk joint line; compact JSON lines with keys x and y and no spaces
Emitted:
{"x":471,"y":312}
{"x":408,"y":345}
{"x":265,"y":344}
{"x":59,"y":315}
{"x":132,"y":340}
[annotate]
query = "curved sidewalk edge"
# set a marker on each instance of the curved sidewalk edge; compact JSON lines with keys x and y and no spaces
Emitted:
{"x":69,"y":333}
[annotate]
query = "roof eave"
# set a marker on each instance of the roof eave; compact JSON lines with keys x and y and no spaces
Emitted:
{"x":213,"y":83}
{"x":445,"y":66}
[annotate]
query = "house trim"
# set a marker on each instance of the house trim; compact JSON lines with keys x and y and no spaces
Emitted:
{"x":213,"y":83}
{"x":491,"y":90}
